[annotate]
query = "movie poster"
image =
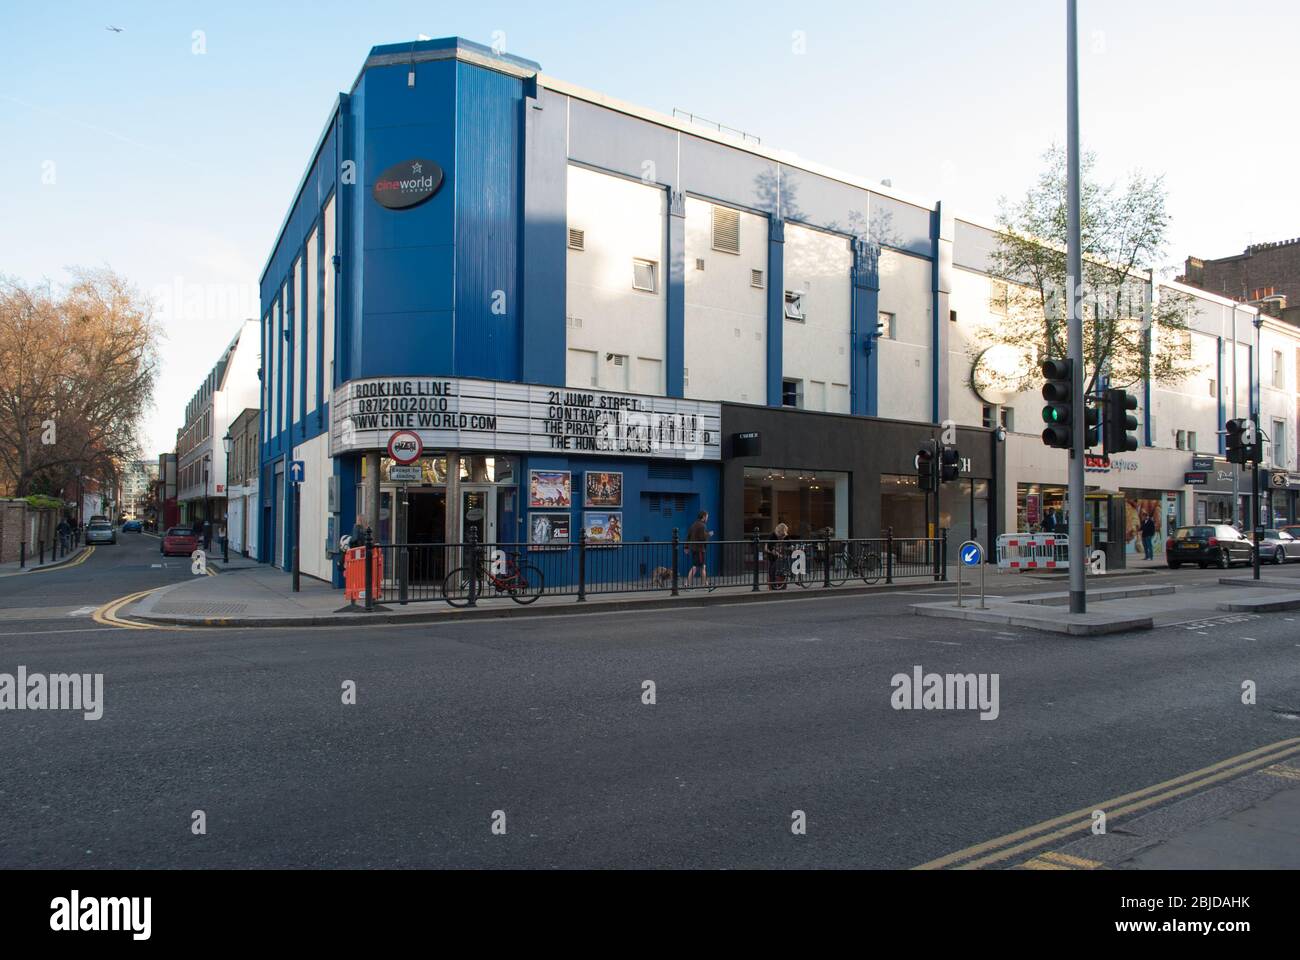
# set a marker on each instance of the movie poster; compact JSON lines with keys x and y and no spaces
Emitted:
{"x":603,"y":489}
{"x":603,"y":528}
{"x":548,"y":529}
{"x":550,"y":488}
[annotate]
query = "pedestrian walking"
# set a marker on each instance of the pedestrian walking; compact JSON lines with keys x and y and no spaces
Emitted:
{"x":697,"y":541}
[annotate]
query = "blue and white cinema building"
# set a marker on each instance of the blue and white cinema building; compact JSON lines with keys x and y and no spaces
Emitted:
{"x":591,"y":316}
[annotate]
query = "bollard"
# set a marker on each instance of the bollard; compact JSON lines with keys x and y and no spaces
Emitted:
{"x":943,"y":556}
{"x":22,"y":555}
{"x":889,"y":555}
{"x":370,"y":571}
{"x":41,"y":544}
{"x":582,"y":565}
{"x":826,"y":561}
{"x":472,"y":566}
{"x":676,"y":571}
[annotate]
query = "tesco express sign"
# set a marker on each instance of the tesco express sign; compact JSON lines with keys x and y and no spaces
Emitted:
{"x":405,"y":446}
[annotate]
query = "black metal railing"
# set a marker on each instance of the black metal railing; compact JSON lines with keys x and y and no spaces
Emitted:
{"x":463,"y":574}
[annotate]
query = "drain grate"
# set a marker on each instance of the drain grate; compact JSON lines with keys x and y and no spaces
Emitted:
{"x":201,"y":609}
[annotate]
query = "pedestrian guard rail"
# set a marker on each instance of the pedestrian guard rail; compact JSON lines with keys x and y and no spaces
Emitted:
{"x":1033,"y":551}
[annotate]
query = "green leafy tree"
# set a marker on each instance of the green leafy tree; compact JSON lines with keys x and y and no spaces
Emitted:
{"x":1126,"y":336}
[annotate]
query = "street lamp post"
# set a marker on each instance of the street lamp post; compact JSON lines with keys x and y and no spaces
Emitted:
{"x":227,"y":441}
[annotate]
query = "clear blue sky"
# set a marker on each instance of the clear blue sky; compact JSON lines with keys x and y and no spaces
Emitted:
{"x":176,"y":169}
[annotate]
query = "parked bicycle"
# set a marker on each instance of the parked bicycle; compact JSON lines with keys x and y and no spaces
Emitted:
{"x":522,"y":584}
{"x":849,"y":561}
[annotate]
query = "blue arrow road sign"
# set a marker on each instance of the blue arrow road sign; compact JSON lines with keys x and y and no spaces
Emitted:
{"x":972,"y":554}
{"x":297,"y":471}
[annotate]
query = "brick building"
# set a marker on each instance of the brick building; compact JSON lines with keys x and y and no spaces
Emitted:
{"x":1267,"y":274}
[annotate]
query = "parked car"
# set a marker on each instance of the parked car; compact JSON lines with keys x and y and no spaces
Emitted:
{"x":179,"y":542}
{"x":1293,"y":529}
{"x":1278,"y":546}
{"x":100,"y":531}
{"x":132,"y":526}
{"x":1220,"y":545}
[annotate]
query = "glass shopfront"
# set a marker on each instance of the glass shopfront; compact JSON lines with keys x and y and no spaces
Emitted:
{"x":806,"y":501}
{"x":416,"y":511}
{"x":963,"y":507}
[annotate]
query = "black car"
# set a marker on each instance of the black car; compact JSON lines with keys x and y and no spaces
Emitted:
{"x":1219,"y":544}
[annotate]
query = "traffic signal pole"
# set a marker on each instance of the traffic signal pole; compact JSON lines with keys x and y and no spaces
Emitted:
{"x":1255,"y":496}
{"x":1074,"y":281}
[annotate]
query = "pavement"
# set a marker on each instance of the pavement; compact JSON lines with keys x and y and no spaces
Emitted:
{"x":680,"y":736}
{"x":33,"y":564}
{"x":257,"y":595}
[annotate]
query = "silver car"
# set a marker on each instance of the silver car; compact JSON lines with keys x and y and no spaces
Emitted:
{"x":100,"y":532}
{"x":1278,"y":546}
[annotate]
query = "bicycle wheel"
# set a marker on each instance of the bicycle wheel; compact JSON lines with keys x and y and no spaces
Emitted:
{"x":870,"y":569}
{"x":527,"y":585}
{"x":455,"y":588}
{"x":840,"y":568}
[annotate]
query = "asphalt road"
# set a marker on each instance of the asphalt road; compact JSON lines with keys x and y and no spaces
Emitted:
{"x":761,"y":710}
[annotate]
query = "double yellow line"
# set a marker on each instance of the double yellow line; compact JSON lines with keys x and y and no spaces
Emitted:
{"x":85,"y":555}
{"x":107,"y":614}
{"x":1080,"y":821}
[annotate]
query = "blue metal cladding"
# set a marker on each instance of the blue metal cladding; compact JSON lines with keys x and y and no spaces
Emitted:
{"x":544,"y":266}
{"x":1218,"y":386}
{"x":406,"y":294}
{"x":864,"y":389}
{"x":486,"y":187}
{"x":775,"y":308}
{"x":675,"y":345}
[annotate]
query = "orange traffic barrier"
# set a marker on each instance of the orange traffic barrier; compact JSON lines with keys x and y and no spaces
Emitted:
{"x":354,"y":574}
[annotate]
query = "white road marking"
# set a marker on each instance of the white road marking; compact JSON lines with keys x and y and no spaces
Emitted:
{"x":83,"y":612}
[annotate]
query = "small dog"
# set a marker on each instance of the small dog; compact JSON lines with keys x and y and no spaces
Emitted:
{"x":661,"y":577}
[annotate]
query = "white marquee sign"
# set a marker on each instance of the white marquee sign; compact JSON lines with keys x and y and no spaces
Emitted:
{"x":453,"y":413}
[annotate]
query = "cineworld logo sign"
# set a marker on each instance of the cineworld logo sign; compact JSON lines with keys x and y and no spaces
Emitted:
{"x":407,"y":184}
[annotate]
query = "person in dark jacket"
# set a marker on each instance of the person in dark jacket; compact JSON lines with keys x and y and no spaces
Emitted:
{"x":1148,"y":535}
{"x":778,"y":549}
{"x":697,"y":539}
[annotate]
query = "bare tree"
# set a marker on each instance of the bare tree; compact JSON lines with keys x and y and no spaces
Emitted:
{"x":77,"y":372}
{"x":1127,"y":337}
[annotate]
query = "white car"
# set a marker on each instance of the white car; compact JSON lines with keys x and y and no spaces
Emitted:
{"x":1278,"y":546}
{"x":101,"y":531}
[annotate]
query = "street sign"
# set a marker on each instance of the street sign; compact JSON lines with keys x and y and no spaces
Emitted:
{"x":971,"y":554}
{"x":405,"y":446}
{"x":401,"y":473}
{"x":297,"y":471}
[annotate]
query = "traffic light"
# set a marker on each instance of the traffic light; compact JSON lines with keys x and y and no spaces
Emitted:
{"x":1091,"y":426}
{"x":1058,"y":391}
{"x":1243,"y":444}
{"x":1119,"y":421}
{"x":949,"y":464}
{"x":925,"y":470}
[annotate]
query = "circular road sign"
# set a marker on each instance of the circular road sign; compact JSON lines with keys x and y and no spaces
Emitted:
{"x":971,"y":554}
{"x":405,"y":446}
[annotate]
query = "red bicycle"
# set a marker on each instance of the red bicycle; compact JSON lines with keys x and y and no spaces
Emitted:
{"x":522,"y":584}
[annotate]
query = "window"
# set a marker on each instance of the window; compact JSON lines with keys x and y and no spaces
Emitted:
{"x":1191,"y":441}
{"x":998,"y":298}
{"x":952,"y":316}
{"x":794,"y":306}
{"x":887,"y":325}
{"x":1279,"y":371}
{"x":1279,"y":442}
{"x":311,"y":318}
{"x":986,"y":417}
{"x":726,"y":230}
{"x":1180,"y":439}
{"x":1214,"y":387}
{"x":577,"y":239}
{"x":699,"y":263}
{"x":756,"y":279}
{"x":327,"y":367}
{"x":644,"y":275}
{"x":792,"y":393}
{"x":1009,"y":419}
